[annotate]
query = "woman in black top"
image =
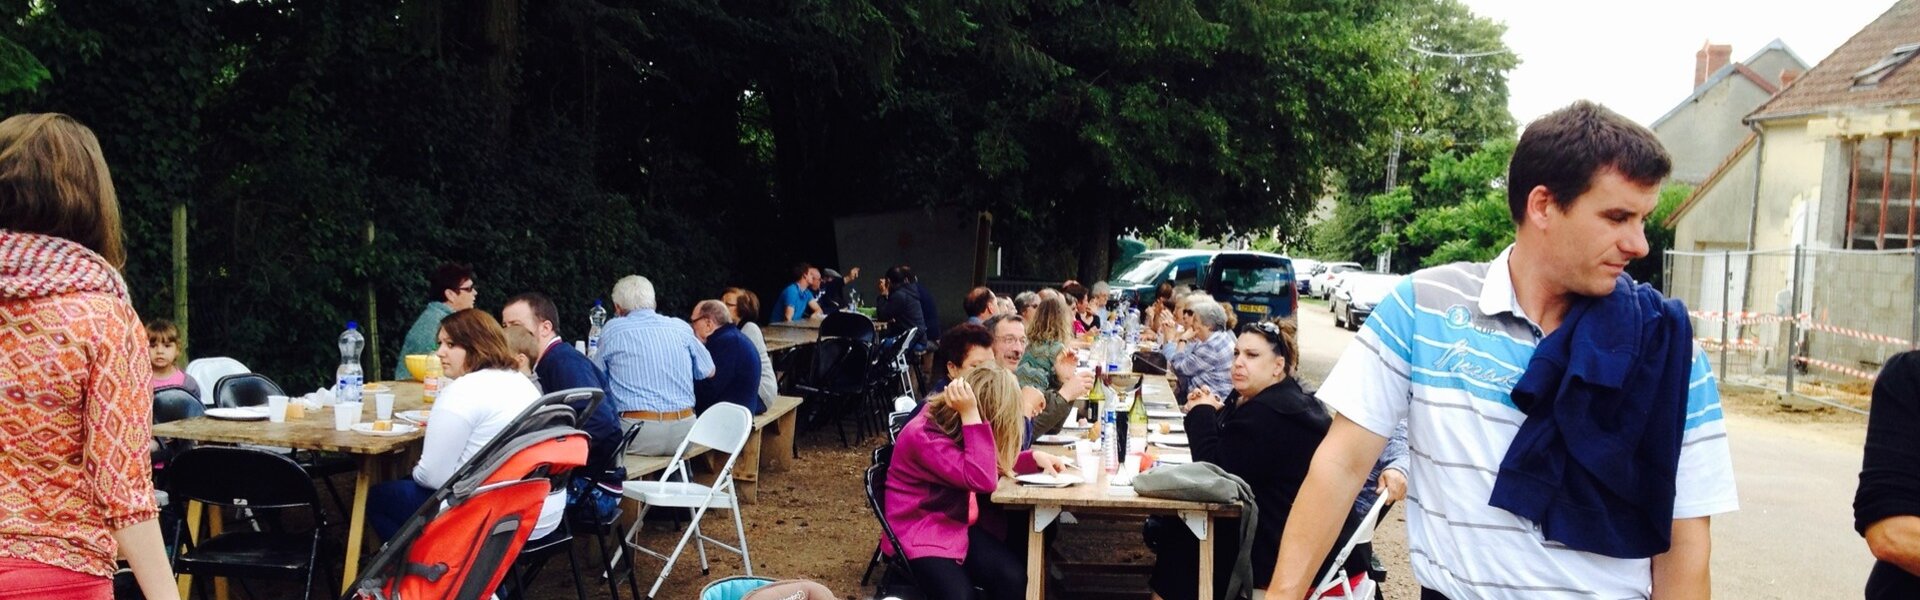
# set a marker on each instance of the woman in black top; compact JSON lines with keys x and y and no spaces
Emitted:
{"x":1265,"y":432}
{"x":1886,"y":508}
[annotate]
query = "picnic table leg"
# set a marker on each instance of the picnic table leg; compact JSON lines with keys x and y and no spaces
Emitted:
{"x":1206,"y":560}
{"x":777,"y":446}
{"x":357,"y":521}
{"x":1036,"y":557}
{"x":194,"y":510}
{"x":746,"y":470}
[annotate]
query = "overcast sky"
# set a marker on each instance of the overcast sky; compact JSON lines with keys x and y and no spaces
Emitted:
{"x":1636,"y":56}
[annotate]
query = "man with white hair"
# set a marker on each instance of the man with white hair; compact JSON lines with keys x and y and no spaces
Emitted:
{"x":651,"y":361}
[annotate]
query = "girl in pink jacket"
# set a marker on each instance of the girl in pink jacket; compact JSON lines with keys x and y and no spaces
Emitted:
{"x":957,"y":448}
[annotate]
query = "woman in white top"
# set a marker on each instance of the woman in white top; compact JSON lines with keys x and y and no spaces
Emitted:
{"x":486,"y":394}
{"x":746,"y":312}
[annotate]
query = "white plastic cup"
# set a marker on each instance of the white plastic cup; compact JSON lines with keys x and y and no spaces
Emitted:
{"x":382,"y":407}
{"x":345,"y":415}
{"x":1084,"y":457}
{"x":276,"y":409}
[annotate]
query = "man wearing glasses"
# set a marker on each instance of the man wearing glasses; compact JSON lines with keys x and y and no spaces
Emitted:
{"x":450,"y":290}
{"x":1565,"y":432}
{"x":736,"y":362}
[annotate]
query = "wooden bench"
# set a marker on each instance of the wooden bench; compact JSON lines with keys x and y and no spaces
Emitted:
{"x":771,"y":441}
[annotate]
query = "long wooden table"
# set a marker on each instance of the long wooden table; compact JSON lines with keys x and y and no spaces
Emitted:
{"x":314,"y":431}
{"x":781,"y":337}
{"x":1096,"y":497}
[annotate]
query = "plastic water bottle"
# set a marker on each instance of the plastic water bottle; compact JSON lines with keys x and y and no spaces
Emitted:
{"x":349,"y":377}
{"x":1110,"y":441}
{"x":596,"y":319}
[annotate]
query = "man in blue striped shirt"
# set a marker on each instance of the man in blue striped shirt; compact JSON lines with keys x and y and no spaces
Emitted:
{"x":651,"y":361}
{"x":1443,"y":353}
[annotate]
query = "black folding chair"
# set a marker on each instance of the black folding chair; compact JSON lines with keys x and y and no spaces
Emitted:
{"x":223,"y":477}
{"x":252,"y":389}
{"x":851,"y":325}
{"x":836,"y":383}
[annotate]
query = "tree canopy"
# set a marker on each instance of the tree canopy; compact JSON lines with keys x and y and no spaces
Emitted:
{"x":326,"y":154}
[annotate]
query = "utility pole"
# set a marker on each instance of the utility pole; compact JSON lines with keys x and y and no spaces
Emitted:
{"x":1384,"y":263}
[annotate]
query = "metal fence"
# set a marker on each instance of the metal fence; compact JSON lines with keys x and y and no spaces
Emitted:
{"x":1809,"y":323}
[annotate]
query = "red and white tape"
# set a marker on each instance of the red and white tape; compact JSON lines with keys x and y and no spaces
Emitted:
{"x":1741,"y":344}
{"x":1745,"y":318}
{"x":1857,"y":334}
{"x":1838,"y":368}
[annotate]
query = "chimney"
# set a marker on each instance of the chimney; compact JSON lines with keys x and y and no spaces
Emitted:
{"x":1787,"y":76}
{"x":1708,"y":59}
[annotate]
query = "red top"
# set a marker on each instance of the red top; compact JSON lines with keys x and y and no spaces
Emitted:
{"x":75,"y":406}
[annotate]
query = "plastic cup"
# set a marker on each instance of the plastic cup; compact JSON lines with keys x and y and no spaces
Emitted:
{"x":276,"y":409}
{"x":382,"y":407}
{"x":345,"y":415}
{"x":1132,"y":464}
{"x":1084,"y":457}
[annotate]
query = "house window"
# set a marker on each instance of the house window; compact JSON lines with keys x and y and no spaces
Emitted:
{"x":1883,"y":192}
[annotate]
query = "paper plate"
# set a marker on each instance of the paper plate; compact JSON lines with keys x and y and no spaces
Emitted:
{"x":398,"y":429}
{"x":1045,"y":480}
{"x":417,"y":417}
{"x":1075,"y":424}
{"x":244,"y":413}
{"x":1174,"y":459}
{"x":1161,"y":413}
{"x":1057,"y":439}
{"x":1177,"y":440}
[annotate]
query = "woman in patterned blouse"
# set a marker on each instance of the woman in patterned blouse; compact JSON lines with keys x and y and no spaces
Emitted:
{"x":75,"y":407}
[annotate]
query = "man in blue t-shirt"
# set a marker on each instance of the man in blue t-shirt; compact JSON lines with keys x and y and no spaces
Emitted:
{"x":799,"y":299}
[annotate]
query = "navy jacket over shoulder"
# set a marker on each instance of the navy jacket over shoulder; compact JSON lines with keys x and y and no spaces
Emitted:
{"x":1594,"y":464}
{"x":736,"y":372}
{"x":564,"y":368}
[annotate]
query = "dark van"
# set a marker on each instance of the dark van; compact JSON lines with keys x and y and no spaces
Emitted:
{"x":1258,"y":285}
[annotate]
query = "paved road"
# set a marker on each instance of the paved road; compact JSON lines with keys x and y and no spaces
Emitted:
{"x":1793,"y":535}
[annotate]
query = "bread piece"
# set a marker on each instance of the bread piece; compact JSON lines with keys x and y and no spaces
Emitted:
{"x":383,"y":425}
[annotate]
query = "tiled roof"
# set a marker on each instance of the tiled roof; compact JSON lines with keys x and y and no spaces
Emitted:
{"x":1712,"y":180}
{"x":1829,"y":85}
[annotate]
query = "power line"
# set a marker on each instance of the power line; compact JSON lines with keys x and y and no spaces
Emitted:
{"x":1456,"y":55}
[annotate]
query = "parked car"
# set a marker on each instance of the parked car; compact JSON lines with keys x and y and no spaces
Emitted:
{"x":1321,"y":285}
{"x":1258,"y":285}
{"x":1358,"y":293}
{"x":1303,"y":271}
{"x":1137,"y":279}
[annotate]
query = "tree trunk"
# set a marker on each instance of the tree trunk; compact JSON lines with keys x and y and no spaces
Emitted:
{"x":1095,"y":226}
{"x":180,"y":276}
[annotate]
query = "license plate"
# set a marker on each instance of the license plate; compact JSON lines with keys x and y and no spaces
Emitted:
{"x":1252,"y":308}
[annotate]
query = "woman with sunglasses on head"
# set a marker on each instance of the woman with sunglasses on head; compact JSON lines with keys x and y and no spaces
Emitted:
{"x":1264,"y":431}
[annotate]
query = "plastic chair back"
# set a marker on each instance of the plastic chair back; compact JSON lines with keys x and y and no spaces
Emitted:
{"x":173,"y":403}
{"x":244,"y":389}
{"x":851,"y":325}
{"x":242,"y":477}
{"x":208,"y":371}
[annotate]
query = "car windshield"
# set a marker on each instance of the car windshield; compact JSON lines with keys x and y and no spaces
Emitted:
{"x":1141,"y":273}
{"x":1342,"y":267}
{"x":1268,"y":280}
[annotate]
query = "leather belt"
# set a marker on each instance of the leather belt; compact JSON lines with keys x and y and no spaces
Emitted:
{"x":648,"y":415}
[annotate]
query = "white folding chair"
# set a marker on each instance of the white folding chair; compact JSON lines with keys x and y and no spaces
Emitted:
{"x":902,"y":410}
{"x":208,"y":371}
{"x":724,"y":428}
{"x":1338,"y":583}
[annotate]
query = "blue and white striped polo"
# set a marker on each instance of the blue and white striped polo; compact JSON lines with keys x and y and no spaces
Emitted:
{"x":1443,"y":352}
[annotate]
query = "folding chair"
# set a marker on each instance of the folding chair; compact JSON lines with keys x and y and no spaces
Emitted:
{"x":903,"y":408}
{"x":888,"y":552}
{"x":208,"y":371}
{"x":1338,"y":583}
{"x":836,"y":382}
{"x":223,"y":477}
{"x":252,"y":389}
{"x":851,"y":325}
{"x":464,"y":539}
{"x":724,"y":428}
{"x":605,"y":530}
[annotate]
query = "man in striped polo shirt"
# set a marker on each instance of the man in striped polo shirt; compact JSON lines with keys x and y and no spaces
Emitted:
{"x":1444,"y":352}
